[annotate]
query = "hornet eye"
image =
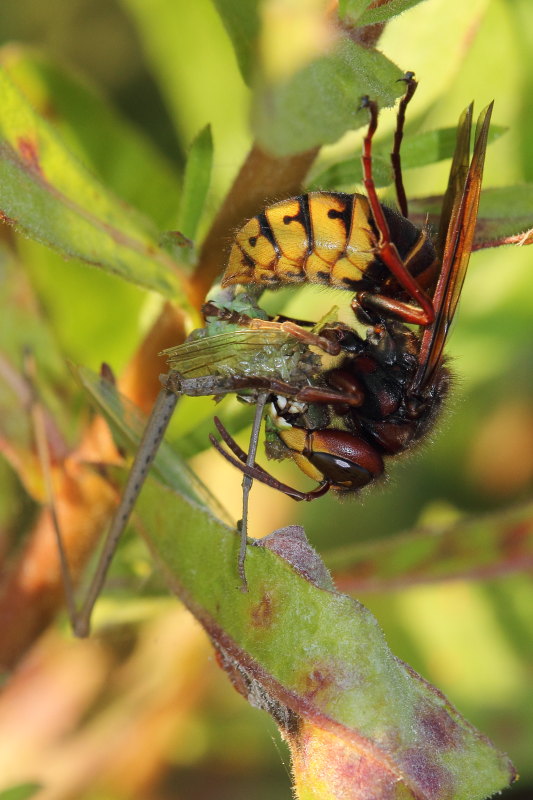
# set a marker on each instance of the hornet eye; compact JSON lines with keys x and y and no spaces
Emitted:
{"x":340,"y":472}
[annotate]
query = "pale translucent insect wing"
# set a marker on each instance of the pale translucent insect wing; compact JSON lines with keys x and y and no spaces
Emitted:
{"x":224,"y":351}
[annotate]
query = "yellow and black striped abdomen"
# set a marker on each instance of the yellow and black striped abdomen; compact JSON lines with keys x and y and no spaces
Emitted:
{"x":320,"y":237}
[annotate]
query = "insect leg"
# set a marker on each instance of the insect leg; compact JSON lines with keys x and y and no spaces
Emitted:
{"x":217,"y":385}
{"x":423,"y":313}
{"x":247,"y":482}
{"x":258,"y":472}
{"x":409,"y":79}
{"x":210,"y":309}
{"x":330,"y":347}
{"x":316,"y":394}
{"x":155,"y":430}
{"x":234,"y":447}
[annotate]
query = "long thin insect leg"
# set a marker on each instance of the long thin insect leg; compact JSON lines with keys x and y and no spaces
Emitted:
{"x":423,"y":313}
{"x":152,"y":436}
{"x":259,"y":474}
{"x":247,"y":482}
{"x":409,"y":80}
{"x":234,"y":447}
{"x":210,"y":309}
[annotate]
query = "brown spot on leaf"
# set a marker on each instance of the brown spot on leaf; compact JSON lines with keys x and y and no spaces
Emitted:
{"x":262,"y":613}
{"x":317,"y":682}
{"x":434,"y":780}
{"x":29,"y":151}
{"x":439,"y":728}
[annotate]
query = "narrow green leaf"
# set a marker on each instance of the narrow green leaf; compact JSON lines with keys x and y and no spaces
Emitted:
{"x":429,"y":147}
{"x":50,"y":196}
{"x":418,"y":150}
{"x":241,"y":21}
{"x":321,"y":101}
{"x":508,"y":202}
{"x":504,"y":214}
{"x":346,"y":173}
{"x":476,"y":547}
{"x":384,"y":12}
{"x":195,"y":183}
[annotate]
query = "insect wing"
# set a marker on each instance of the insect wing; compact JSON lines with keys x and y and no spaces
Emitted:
{"x":457,"y":178}
{"x":234,"y":351}
{"x":456,"y":235}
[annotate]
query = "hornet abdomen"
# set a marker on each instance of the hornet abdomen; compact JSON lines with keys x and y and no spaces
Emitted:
{"x":322,"y":237}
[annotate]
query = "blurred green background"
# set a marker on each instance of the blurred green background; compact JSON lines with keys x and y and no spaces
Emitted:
{"x":167,"y":68}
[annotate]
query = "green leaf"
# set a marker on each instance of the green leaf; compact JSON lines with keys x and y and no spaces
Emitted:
{"x":24,"y":791}
{"x":351,"y":10}
{"x":428,"y":147}
{"x":318,"y":662}
{"x":125,"y":161}
{"x":51,"y":197}
{"x":418,"y":150}
{"x":345,"y":174}
{"x":321,"y":101}
{"x":241,"y":21}
{"x":476,"y":547}
{"x":505,"y":213}
{"x":385,"y":12}
{"x":195,"y":183}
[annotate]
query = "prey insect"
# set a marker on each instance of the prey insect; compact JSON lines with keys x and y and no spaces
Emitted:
{"x":339,"y":403}
{"x":235,"y":353}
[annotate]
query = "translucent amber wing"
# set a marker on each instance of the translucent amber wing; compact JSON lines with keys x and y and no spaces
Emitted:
{"x":458,"y":223}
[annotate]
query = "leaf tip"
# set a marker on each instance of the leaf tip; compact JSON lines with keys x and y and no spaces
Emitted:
{"x":292,"y":545}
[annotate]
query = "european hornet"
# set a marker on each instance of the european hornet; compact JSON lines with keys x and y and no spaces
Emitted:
{"x":390,"y":384}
